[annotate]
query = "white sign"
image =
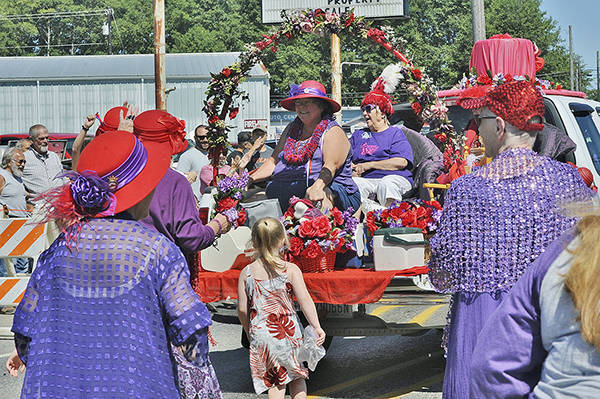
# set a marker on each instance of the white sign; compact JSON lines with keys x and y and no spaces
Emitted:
{"x":271,"y":9}
{"x":254,"y":123}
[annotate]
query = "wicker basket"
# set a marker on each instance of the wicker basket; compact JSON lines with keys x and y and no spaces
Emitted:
{"x":320,"y":264}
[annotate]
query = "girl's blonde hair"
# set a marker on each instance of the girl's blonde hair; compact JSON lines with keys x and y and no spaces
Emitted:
{"x":582,"y":279}
{"x":268,"y":236}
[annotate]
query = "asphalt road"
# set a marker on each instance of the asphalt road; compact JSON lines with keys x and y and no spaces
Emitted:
{"x":355,"y":367}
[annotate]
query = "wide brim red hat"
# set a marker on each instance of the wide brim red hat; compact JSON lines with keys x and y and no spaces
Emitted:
{"x":111,"y":150}
{"x":308,"y":89}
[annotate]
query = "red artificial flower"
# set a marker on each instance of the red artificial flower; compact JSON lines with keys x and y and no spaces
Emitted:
{"x":396,"y":213}
{"x":321,"y":225}
{"x":226,"y":203}
{"x":405,"y":206}
{"x":242,"y":217}
{"x":434,"y":204}
{"x":484,"y":80}
{"x":508,"y":78}
{"x":319,"y":13}
{"x":370,"y":222}
{"x":337,"y":216}
{"x":226,"y":72}
{"x":288,"y":35}
{"x":296,"y":245}
{"x":312,"y":250}
{"x":441,"y":137}
{"x":349,"y":20}
{"x":416,"y":107}
{"x":213,"y":119}
{"x":334,"y":234}
{"x":417,"y":73}
{"x":233,"y":113}
{"x":306,"y":229}
{"x":558,"y":87}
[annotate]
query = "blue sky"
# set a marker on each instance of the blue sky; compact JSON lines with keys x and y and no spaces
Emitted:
{"x":584,"y":16}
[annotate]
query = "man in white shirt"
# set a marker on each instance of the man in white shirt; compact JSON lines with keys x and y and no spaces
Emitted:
{"x":42,"y":166}
{"x":194,"y":159}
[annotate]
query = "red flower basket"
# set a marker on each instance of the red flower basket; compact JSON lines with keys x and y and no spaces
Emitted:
{"x":320,"y":264}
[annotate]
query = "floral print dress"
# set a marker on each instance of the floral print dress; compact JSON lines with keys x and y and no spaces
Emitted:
{"x":275,"y":332}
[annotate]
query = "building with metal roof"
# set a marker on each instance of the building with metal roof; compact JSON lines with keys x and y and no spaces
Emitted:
{"x":59,"y":92}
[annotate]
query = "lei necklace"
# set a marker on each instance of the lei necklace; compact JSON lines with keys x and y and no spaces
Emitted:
{"x":299,"y":152}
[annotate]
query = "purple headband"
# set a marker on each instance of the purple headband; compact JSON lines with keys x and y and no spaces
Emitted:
{"x":129,"y":169}
{"x":295,"y":90}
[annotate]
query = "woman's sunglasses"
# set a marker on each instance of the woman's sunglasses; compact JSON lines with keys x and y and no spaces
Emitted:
{"x":368,"y":108}
{"x":478,"y":118}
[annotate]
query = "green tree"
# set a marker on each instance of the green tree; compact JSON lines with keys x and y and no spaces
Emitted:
{"x":437,"y":33}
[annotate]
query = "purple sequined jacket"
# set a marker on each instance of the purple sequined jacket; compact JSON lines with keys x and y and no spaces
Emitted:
{"x":499,"y":219}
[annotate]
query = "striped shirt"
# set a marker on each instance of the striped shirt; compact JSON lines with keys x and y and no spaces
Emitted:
{"x":40,"y":171}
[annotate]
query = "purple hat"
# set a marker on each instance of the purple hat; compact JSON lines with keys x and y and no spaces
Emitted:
{"x":308,"y":89}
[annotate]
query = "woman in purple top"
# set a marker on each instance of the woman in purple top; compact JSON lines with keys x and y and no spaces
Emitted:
{"x":381,"y":155}
{"x":312,"y":157}
{"x":544,"y":339}
{"x":110,"y":296}
{"x":497,"y":220}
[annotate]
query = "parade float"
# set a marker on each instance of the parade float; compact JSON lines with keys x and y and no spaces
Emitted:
{"x":347,"y":295}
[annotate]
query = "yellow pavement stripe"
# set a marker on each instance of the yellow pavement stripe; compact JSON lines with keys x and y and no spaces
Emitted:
{"x":378,"y":311}
{"x":405,"y":391}
{"x":364,"y":378}
{"x":426,"y":314}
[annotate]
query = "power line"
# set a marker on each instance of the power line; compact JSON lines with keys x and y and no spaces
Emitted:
{"x":64,"y":14}
{"x":54,"y":45}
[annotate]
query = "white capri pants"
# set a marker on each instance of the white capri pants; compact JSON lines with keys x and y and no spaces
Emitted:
{"x":390,"y":186}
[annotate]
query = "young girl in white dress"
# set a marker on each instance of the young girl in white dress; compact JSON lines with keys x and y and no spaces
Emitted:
{"x":266,"y":310}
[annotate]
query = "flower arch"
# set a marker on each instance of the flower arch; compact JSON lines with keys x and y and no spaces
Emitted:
{"x":223,"y":88}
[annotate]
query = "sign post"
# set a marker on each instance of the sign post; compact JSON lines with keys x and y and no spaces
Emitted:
{"x":336,"y":72}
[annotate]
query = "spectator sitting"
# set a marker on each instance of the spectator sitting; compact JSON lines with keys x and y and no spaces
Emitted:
{"x":194,"y":159}
{"x":42,"y":166}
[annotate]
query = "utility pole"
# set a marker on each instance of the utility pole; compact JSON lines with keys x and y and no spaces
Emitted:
{"x":160,"y":80}
{"x":48,"y":52}
{"x":577,"y":82}
{"x":336,"y":73}
{"x":571,"y":72}
{"x":598,"y":75}
{"x":109,"y":12}
{"x":478,"y":18}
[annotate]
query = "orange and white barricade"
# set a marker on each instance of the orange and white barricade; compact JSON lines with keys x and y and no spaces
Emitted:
{"x":19,"y":238}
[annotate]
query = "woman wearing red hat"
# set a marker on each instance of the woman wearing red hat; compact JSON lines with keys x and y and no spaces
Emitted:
{"x":312,"y":158}
{"x":381,"y":154}
{"x":109,"y":296}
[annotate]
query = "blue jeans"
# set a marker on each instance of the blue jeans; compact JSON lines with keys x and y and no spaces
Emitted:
{"x":284,"y":191}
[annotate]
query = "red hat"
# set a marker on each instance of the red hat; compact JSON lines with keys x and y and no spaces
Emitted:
{"x":131,"y":169}
{"x":308,"y":89}
{"x":516,"y":102}
{"x":161,"y":127}
{"x":111,"y":120}
{"x":380,"y":98}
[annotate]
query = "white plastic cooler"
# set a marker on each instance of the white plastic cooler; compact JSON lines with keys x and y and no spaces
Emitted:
{"x":398,"y":248}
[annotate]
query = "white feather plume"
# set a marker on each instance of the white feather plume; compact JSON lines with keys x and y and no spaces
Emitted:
{"x":390,"y":78}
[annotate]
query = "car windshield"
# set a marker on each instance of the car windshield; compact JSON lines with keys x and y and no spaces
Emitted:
{"x":583,"y":115}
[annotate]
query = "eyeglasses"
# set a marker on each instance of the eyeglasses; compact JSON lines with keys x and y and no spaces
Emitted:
{"x":201,"y":138}
{"x":20,"y":161}
{"x":478,"y":118}
{"x":368,"y":108}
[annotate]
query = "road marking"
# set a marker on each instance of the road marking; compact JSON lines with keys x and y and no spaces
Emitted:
{"x":426,"y":314}
{"x":364,"y":378}
{"x":5,"y":354}
{"x":382,"y":309}
{"x":405,"y":391}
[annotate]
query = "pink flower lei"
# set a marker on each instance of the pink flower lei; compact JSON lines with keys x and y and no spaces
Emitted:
{"x":294,"y":151}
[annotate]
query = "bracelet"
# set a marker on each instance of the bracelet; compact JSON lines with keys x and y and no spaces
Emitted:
{"x":85,"y":128}
{"x":218,"y":233}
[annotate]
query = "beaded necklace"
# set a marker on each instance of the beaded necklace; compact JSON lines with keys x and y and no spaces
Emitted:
{"x":297,"y":152}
